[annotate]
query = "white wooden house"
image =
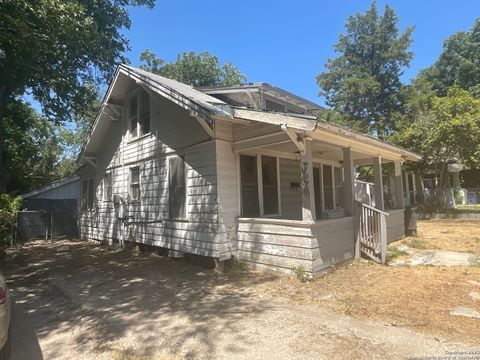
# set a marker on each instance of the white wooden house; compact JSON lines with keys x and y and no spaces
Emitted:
{"x":250,"y":172}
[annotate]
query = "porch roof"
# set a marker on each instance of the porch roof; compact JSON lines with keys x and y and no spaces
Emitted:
{"x":325,"y":131}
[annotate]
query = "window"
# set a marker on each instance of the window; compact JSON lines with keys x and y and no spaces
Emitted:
{"x":317,"y":188}
{"x":254,"y":204}
{"x":338,"y":177}
{"x":108,"y":187}
{"x":176,"y":188}
{"x":270,"y":185}
{"x":135,"y":183}
{"x":327,"y":187}
{"x":249,"y":186}
{"x":88,"y":196}
{"x":139,"y":114}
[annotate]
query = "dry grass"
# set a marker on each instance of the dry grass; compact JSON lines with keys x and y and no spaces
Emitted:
{"x":416,"y":297}
{"x":448,"y":235}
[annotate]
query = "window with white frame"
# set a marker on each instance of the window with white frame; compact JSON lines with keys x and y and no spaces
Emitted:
{"x":328,"y":187}
{"x":108,"y":186}
{"x":264,"y":199}
{"x":88,"y":195}
{"x":249,"y":186}
{"x":177,"y":190}
{"x":139,"y":113}
{"x":135,"y":183}
{"x":270,"y":185}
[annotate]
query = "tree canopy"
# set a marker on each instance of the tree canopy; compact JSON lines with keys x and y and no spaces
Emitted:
{"x":58,"y":51}
{"x":194,"y":69}
{"x":446,"y":130}
{"x":458,"y":64}
{"x":363,"y":82}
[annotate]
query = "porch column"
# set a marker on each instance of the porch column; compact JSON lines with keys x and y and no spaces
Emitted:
{"x":308,"y":195}
{"x":348,"y":184}
{"x":400,"y":202}
{"x":377,"y":172}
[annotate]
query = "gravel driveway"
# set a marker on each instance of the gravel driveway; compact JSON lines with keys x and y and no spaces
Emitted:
{"x":75,"y":300}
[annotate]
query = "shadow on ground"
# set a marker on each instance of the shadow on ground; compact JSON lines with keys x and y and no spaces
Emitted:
{"x":95,"y":297}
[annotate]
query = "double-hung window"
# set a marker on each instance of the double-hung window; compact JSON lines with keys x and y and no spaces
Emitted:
{"x":135,"y":183}
{"x":177,"y":191}
{"x":108,"y":187}
{"x":88,"y":195}
{"x":139,"y":114}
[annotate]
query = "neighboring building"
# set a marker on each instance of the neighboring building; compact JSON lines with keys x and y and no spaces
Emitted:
{"x":51,"y":210}
{"x":224,"y":172}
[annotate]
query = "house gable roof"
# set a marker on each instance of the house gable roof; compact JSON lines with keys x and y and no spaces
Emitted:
{"x":205,"y":107}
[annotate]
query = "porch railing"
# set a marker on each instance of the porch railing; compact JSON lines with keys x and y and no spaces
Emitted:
{"x":371,"y":232}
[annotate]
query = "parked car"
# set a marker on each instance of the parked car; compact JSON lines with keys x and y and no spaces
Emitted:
{"x":4,"y":319}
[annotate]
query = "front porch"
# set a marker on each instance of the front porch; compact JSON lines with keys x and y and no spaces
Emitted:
{"x":297,"y":200}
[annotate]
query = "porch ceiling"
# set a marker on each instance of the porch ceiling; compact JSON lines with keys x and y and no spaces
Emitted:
{"x":279,"y":144}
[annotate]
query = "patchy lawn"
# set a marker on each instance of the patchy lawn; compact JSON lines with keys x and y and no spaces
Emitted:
{"x":419,"y":298}
{"x":448,"y":235}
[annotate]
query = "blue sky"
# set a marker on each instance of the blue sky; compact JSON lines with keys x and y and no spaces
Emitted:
{"x":285,"y":43}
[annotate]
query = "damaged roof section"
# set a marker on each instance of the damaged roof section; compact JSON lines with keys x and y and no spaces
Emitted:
{"x":263,"y":96}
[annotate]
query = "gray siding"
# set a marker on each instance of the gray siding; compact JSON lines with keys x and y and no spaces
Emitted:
{"x":63,"y":192}
{"x":173,"y":132}
{"x":282,"y":244}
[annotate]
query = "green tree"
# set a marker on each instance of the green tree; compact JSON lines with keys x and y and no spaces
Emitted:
{"x":193,"y":69}
{"x":363,"y":82}
{"x":56,"y":50}
{"x":36,"y":149}
{"x":445,"y":129}
{"x":458,"y":64}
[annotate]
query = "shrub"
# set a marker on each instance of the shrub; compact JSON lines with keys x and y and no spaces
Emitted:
{"x":9,"y":206}
{"x":300,"y":273}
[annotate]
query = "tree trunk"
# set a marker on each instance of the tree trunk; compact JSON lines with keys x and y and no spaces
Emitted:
{"x":419,"y":177}
{"x":3,"y":169}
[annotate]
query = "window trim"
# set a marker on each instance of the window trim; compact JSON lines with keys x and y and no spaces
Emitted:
{"x":258,"y":156}
{"x":87,"y":208}
{"x":139,"y":183}
{"x":136,"y":93}
{"x":104,"y":188}
{"x":167,"y":158}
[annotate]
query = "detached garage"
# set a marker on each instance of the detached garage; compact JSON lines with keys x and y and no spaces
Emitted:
{"x":50,"y":211}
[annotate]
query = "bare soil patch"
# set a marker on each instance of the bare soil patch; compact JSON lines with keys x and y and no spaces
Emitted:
{"x":419,"y":298}
{"x":94,"y":302}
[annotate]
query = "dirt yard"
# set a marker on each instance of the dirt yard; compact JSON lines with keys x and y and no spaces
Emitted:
{"x":419,"y":297}
{"x":75,"y":300}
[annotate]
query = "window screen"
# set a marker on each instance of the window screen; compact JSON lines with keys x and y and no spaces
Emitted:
{"x":108,"y":187}
{"x":317,"y":188}
{"x":270,"y":185}
{"x":249,"y":186}
{"x":84,"y":200}
{"x":91,"y":197}
{"x":133,"y":116}
{"x":144,"y":113}
{"x":176,"y":188}
{"x":338,"y":187}
{"x":328,"y":186}
{"x":135,"y":183}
